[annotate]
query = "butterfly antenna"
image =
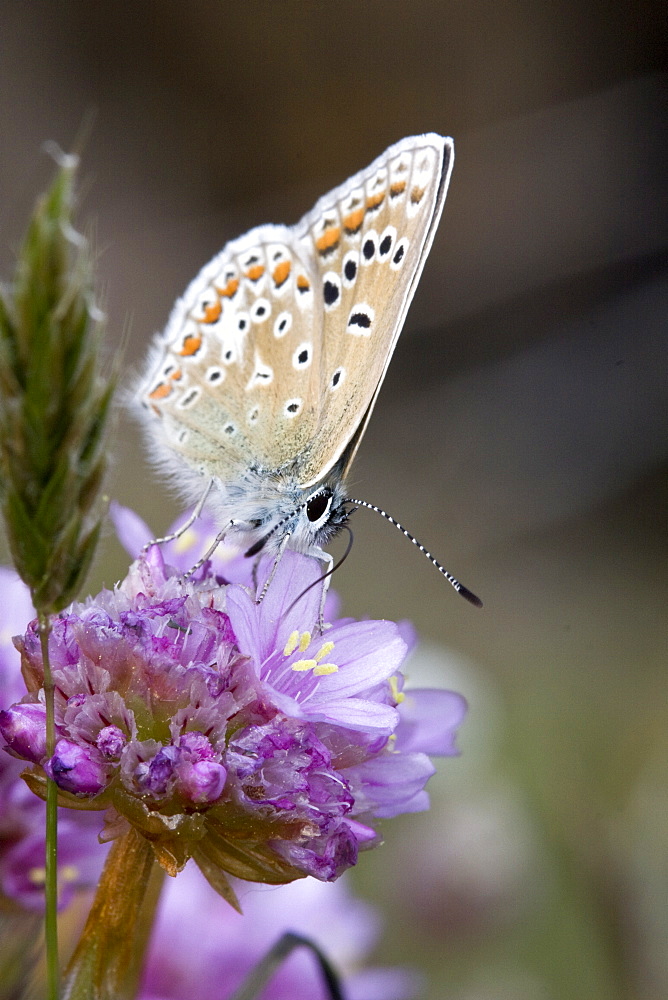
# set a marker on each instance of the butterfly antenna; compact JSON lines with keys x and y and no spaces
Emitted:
{"x":459,"y":587}
{"x":329,"y":571}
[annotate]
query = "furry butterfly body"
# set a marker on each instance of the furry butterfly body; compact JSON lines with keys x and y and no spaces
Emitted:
{"x":262,"y":384}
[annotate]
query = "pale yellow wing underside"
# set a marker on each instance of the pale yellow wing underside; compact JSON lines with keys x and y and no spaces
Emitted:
{"x":274,"y":355}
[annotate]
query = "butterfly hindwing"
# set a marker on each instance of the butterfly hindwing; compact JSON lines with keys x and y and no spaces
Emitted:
{"x":239,"y":361}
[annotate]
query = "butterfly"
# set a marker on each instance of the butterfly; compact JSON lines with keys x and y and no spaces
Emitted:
{"x":261,"y":386}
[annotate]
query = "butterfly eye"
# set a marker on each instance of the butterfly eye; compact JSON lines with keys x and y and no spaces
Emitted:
{"x":318,"y":505}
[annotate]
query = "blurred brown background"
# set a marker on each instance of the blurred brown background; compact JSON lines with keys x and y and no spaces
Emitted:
{"x":521,"y":432}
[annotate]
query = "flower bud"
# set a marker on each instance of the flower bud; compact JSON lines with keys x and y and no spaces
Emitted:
{"x":24,"y":728}
{"x":197,"y":746}
{"x":201,"y":783}
{"x":110,"y":742}
{"x":76,"y":769}
{"x":159,"y":777}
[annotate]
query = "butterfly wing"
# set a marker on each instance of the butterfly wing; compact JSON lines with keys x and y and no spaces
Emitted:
{"x":234,"y":381}
{"x":368,"y":241}
{"x":275,"y":353}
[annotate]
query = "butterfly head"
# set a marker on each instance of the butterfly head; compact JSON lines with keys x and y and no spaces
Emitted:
{"x":326,"y":512}
{"x":310,"y":523}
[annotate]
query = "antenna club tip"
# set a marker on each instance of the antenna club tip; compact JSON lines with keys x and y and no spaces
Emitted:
{"x":469,"y":596}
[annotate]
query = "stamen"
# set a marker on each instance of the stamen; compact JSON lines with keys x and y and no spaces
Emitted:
{"x":304,"y":642}
{"x":324,"y":650}
{"x":291,"y":644}
{"x":37,"y":875}
{"x":398,"y":695}
{"x":324,"y":668}
{"x":302,"y":665}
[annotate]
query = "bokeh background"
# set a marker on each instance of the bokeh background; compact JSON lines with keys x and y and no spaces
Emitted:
{"x":521,"y":432}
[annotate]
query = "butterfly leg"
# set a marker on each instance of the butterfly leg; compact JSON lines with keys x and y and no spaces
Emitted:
{"x":281,"y":549}
{"x":327,"y":579}
{"x":184,"y":527}
{"x":211,"y":549}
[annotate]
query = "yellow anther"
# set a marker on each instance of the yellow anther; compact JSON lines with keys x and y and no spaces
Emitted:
{"x":68,"y":873}
{"x":304,"y":642}
{"x":37,"y":876}
{"x":398,"y":695}
{"x":292,"y":643}
{"x":324,"y":650}
{"x":325,"y":668}
{"x":303,"y":665}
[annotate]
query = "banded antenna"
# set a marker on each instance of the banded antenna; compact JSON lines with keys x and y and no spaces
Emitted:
{"x":453,"y":581}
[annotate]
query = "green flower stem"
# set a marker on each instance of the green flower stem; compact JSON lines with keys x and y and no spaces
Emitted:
{"x":51,"y":854}
{"x":107,"y":962}
{"x":286,"y":944}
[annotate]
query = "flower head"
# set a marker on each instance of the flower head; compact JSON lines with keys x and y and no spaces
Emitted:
{"x":80,"y":855}
{"x":227,"y":730}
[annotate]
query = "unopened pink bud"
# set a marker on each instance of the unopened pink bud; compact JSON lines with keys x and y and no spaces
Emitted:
{"x":24,"y":728}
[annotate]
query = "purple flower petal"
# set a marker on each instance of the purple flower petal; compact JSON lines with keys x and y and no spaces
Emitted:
{"x":365,"y":653}
{"x":16,"y":611}
{"x":200,"y":943}
{"x":429,"y":720}
{"x":262,"y":628}
{"x":353,"y":713}
{"x":394,"y":784}
{"x":80,"y":859}
{"x":132,"y":532}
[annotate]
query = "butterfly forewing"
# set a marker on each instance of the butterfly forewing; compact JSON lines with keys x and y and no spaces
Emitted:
{"x":369,"y":239}
{"x":274,"y":355}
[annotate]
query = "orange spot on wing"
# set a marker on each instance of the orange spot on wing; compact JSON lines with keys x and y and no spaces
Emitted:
{"x":416,"y":195}
{"x":281,"y":272}
{"x":191,"y":345}
{"x":374,"y":200}
{"x":353,"y":222}
{"x":255,"y":272}
{"x":303,"y":284}
{"x":230,"y":288}
{"x":397,"y":188}
{"x":161,"y":391}
{"x":329,"y":239}
{"x":212,"y":311}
